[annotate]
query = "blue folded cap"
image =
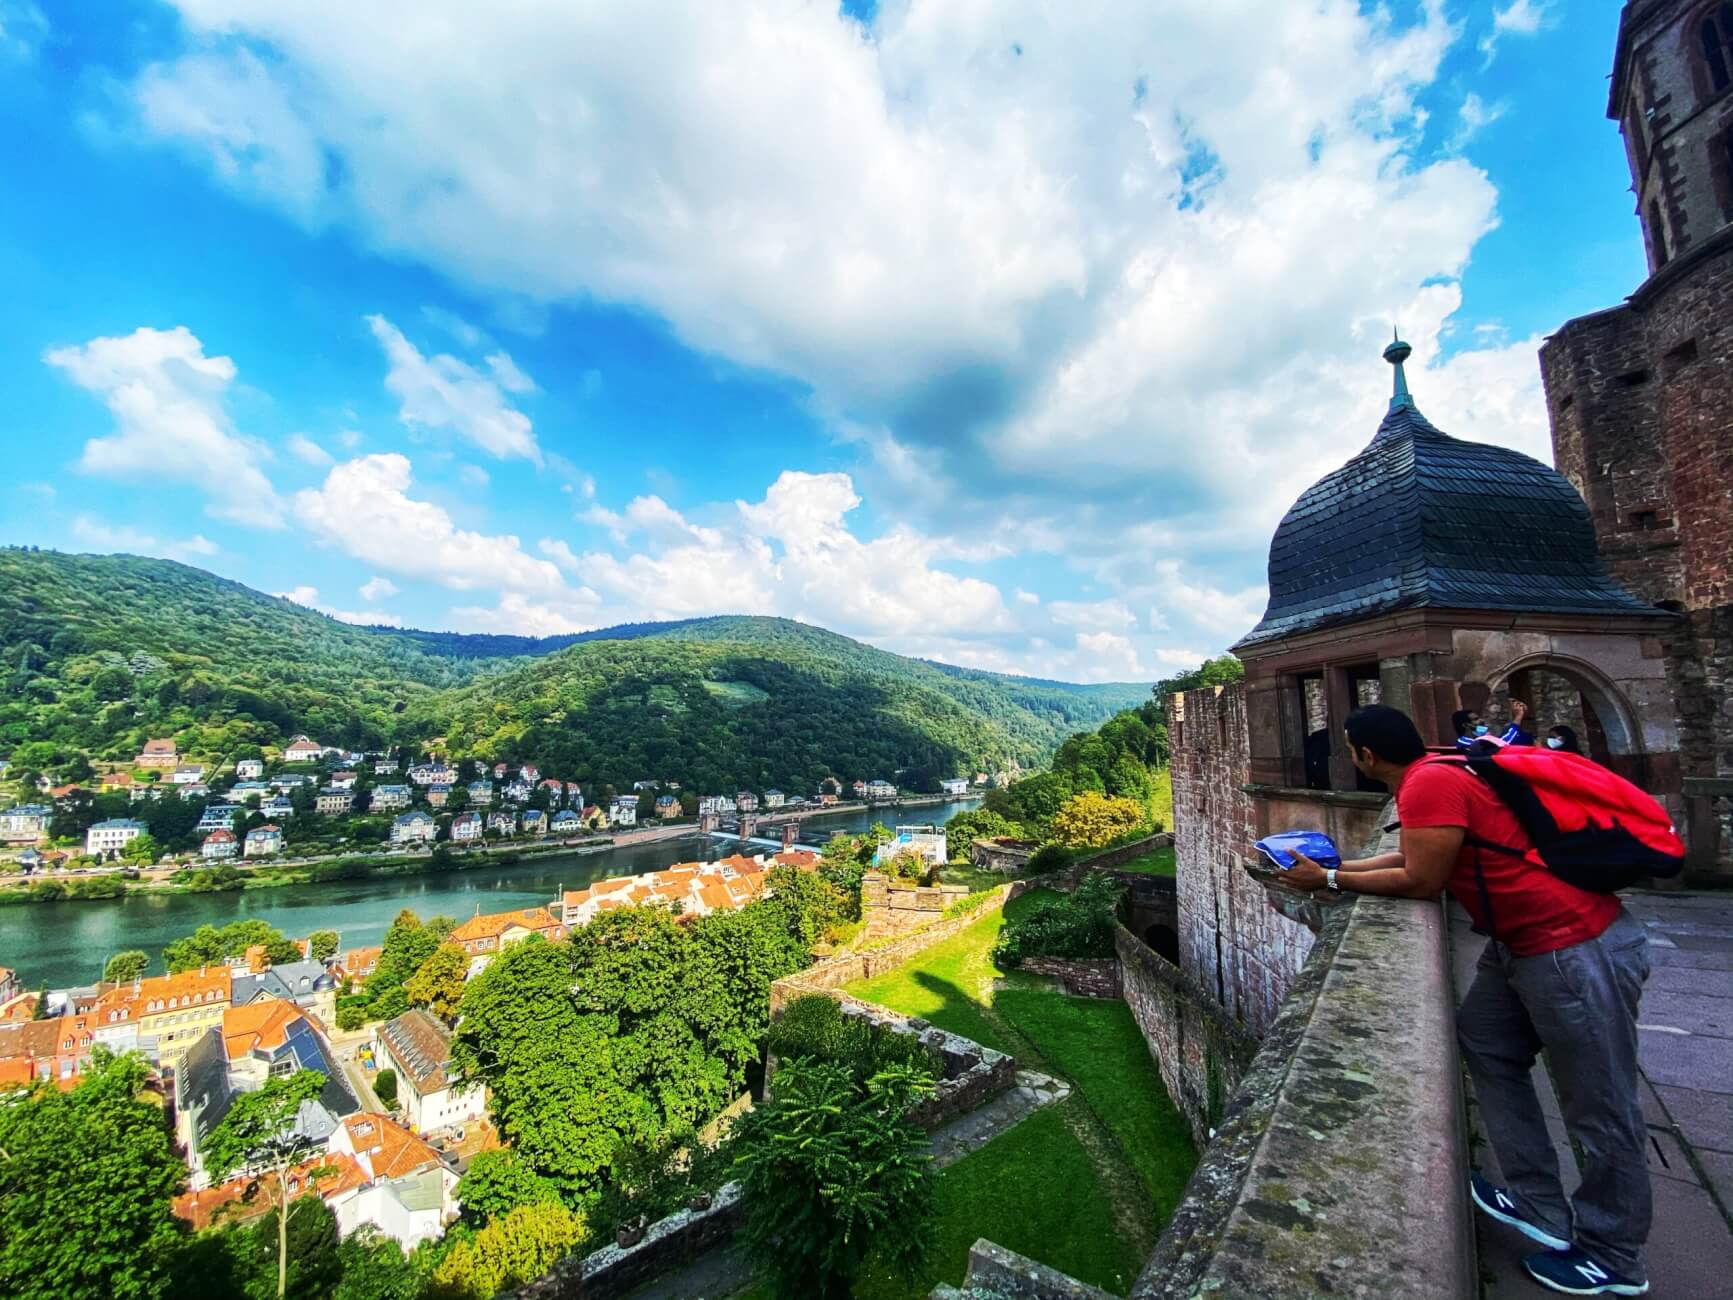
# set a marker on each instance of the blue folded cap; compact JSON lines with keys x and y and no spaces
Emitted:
{"x":1280,"y":848}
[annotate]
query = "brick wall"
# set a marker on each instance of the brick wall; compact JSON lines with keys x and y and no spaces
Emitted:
{"x":849,"y":967}
{"x":1231,"y":944}
{"x":895,"y":907}
{"x":1079,"y":976}
{"x":1200,"y":1053}
{"x":1641,"y":403}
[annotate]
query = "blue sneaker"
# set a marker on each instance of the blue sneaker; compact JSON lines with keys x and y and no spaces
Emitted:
{"x":1496,"y":1202}
{"x":1574,"y":1273}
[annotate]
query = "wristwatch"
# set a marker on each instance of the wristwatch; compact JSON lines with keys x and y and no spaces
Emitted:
{"x":1330,"y":879}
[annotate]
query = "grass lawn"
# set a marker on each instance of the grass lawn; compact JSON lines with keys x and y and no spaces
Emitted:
{"x":1033,"y":1190}
{"x":1094,"y":1042}
{"x":1084,"y":1186}
{"x":1156,"y":863}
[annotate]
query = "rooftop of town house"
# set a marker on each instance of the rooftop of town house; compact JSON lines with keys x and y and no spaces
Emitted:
{"x":258,"y":1026}
{"x":1419,"y":519}
{"x":245,"y":1197}
{"x":421,"y":1044}
{"x":391,"y":1150}
{"x":494,"y":924}
{"x":156,"y":993}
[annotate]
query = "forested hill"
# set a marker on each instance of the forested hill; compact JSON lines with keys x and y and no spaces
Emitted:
{"x":97,"y":653}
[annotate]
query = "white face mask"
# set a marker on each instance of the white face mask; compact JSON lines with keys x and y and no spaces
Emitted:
{"x":1553,"y":742}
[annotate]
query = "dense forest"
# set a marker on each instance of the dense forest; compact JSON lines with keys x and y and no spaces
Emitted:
{"x":99,"y":653}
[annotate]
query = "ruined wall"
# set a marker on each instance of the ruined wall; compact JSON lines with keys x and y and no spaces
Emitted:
{"x":1231,"y":943}
{"x":1641,"y":403}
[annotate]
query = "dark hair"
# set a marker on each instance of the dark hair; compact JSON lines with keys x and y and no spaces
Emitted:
{"x":1459,"y":721}
{"x":1389,"y":733}
{"x":1569,"y":736}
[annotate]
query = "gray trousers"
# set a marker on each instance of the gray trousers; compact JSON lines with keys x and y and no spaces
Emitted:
{"x":1579,"y":1004}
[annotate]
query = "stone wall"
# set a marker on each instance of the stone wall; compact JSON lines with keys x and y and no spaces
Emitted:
{"x":1231,"y":944}
{"x":1200,"y":1053}
{"x":1126,"y":852}
{"x":1640,"y":398}
{"x":999,"y":1274}
{"x":1079,"y":976}
{"x":669,"y":1244}
{"x":895,"y":907}
{"x":849,"y":967}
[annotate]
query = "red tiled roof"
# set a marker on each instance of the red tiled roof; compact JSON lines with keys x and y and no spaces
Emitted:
{"x":258,"y":1025}
{"x":248,"y":1197}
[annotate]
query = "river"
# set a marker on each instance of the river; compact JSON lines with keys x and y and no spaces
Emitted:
{"x":59,"y":944}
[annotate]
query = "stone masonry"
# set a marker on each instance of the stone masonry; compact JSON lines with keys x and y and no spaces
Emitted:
{"x":1231,"y":943}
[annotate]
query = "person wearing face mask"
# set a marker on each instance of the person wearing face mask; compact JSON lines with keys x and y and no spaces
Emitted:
{"x":1471,"y":728}
{"x":1563,"y":739}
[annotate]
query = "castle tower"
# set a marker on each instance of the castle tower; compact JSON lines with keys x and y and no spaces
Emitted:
{"x":1640,"y":396}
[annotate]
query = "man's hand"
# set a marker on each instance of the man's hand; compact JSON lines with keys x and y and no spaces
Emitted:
{"x":1518,"y":711}
{"x":1305,"y":874}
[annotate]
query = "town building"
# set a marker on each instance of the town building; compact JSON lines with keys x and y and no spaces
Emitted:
{"x":437,"y":795}
{"x":384,"y":766}
{"x":529,"y":773}
{"x":357,"y":963}
{"x":879,"y":788}
{"x":187,"y":774}
{"x":307,"y":984}
{"x":565,"y":822}
{"x":774,"y":799}
{"x":480,"y":793}
{"x":188,"y":793}
{"x":715,"y":805}
{"x":278,"y":807}
{"x":517,"y":792}
{"x":248,"y":792}
{"x":433,"y":774}
{"x":157,"y":753}
{"x":535,"y":821}
{"x":1638,"y":399}
{"x":112,"y":835}
{"x":284,"y":782}
{"x":466,"y":828}
{"x":409,"y":1192}
{"x":503,"y":822}
{"x":954,"y":785}
{"x":217,"y":817}
{"x":170,"y":1012}
{"x":249,"y":769}
{"x":25,"y":823}
{"x":667,"y":807}
{"x":247,"y":1045}
{"x":417,"y":1046}
{"x":499,"y":771}
{"x":927,"y":842}
{"x":623,"y":811}
{"x":333,"y":802}
{"x":219,"y":844}
{"x":746,"y":801}
{"x":574,"y":795}
{"x":302,"y":750}
{"x":389,"y":798}
{"x":343,"y":780}
{"x":484,"y":937}
{"x":413,"y":828}
{"x":263,"y":841}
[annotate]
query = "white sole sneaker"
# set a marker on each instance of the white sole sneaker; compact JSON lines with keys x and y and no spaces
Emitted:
{"x":1507,"y":1214}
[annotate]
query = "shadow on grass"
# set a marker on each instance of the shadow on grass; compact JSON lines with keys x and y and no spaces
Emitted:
{"x":955,"y":1010}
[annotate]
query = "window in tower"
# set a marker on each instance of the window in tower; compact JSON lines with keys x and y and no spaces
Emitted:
{"x":1714,"y":32}
{"x":1657,"y":234}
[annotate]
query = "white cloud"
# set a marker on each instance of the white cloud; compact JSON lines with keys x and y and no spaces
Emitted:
{"x":22,"y":29}
{"x":309,"y":596}
{"x":443,"y":392}
{"x":474,"y":476}
{"x":364,"y":509}
{"x":1081,"y":289}
{"x":123,"y":537}
{"x":522,"y":616}
{"x":304,"y":448}
{"x":560,"y":553}
{"x":377,"y":588}
{"x":1097,"y":614}
{"x":1110,"y":655}
{"x":507,"y":375}
{"x":1518,"y":18}
{"x":1475,"y":116}
{"x":171,"y":425}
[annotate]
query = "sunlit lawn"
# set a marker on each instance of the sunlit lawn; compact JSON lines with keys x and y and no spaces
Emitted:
{"x":1157,"y":862}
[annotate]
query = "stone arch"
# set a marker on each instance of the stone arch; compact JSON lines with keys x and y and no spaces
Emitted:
{"x":1616,"y":717}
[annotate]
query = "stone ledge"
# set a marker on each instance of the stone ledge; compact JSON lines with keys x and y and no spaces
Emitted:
{"x":999,"y":1274}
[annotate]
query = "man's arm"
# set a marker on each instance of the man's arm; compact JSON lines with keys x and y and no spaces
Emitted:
{"x":1428,"y":854}
{"x":1380,"y":863}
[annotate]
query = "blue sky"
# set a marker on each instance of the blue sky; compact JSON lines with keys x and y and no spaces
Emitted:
{"x":931,"y":323}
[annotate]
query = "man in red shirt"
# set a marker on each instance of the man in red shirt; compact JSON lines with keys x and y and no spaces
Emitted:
{"x":1563,"y":971}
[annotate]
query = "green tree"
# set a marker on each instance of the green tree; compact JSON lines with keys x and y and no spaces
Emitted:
{"x":508,"y":1252}
{"x":322,"y":944}
{"x":125,"y":967}
{"x":260,"y":1130}
{"x":141,"y":849}
{"x":385,"y":1086}
{"x":832,"y":1170}
{"x":312,"y":1258}
{"x":375,"y":1268}
{"x":86,"y":1181}
{"x":1092,"y":821}
{"x":438,"y":983}
{"x":497,"y":1182}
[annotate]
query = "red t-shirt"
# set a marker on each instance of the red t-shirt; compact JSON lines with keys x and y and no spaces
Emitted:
{"x":1533,"y":911}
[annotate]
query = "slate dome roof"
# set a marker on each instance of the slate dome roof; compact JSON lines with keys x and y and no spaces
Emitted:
{"x":1422,"y":520}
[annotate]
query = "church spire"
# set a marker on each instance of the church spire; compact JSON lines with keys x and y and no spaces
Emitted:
{"x":1396,"y":354}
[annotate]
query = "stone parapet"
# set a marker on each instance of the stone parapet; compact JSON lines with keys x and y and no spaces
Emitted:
{"x":669,"y":1244}
{"x":999,"y":1274}
{"x":1079,"y":976}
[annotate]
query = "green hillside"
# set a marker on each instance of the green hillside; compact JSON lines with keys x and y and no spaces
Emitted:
{"x":97,"y":653}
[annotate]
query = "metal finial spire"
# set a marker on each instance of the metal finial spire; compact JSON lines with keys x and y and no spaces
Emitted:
{"x":1396,"y":353}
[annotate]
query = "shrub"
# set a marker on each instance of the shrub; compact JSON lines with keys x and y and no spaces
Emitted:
{"x":968,"y":903}
{"x":1079,"y":925}
{"x":1093,"y":821}
{"x":385,"y":1086}
{"x":814,"y":1026}
{"x":1051,"y":857}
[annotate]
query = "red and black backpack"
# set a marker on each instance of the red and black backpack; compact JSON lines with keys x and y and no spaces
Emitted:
{"x":1590,"y":827}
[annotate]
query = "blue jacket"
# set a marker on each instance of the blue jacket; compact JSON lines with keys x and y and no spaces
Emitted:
{"x":1513,"y":735}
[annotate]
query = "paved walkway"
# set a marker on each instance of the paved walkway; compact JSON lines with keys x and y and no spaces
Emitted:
{"x":1686,"y":1026}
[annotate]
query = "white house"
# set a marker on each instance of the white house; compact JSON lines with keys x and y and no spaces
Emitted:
{"x":529,"y":773}
{"x":480,"y":793}
{"x":262,"y":841}
{"x":746,"y":801}
{"x":400,"y":1185}
{"x":389,"y":797}
{"x":516,"y":792}
{"x":715,"y":804}
{"x":332,"y":801}
{"x":219,"y":844}
{"x":433,"y":774}
{"x":302,"y":750}
{"x":535,"y":821}
{"x":417,"y":1046}
{"x":344,"y":780}
{"x":188,"y":774}
{"x":113,"y":835}
{"x":384,"y":766}
{"x":623,"y":811}
{"x":955,"y":785}
{"x":774,"y":798}
{"x":466,"y":827}
{"x":24,"y":823}
{"x":503,"y":822}
{"x":216,"y":817}
{"x":242,"y":791}
{"x":250,"y":769}
{"x":565,"y":823}
{"x":278,"y":807}
{"x":879,"y":788}
{"x":412,"y":828}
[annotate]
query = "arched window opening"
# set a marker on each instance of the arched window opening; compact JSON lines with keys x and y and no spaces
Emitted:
{"x":1657,"y":234}
{"x":1713,"y":33}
